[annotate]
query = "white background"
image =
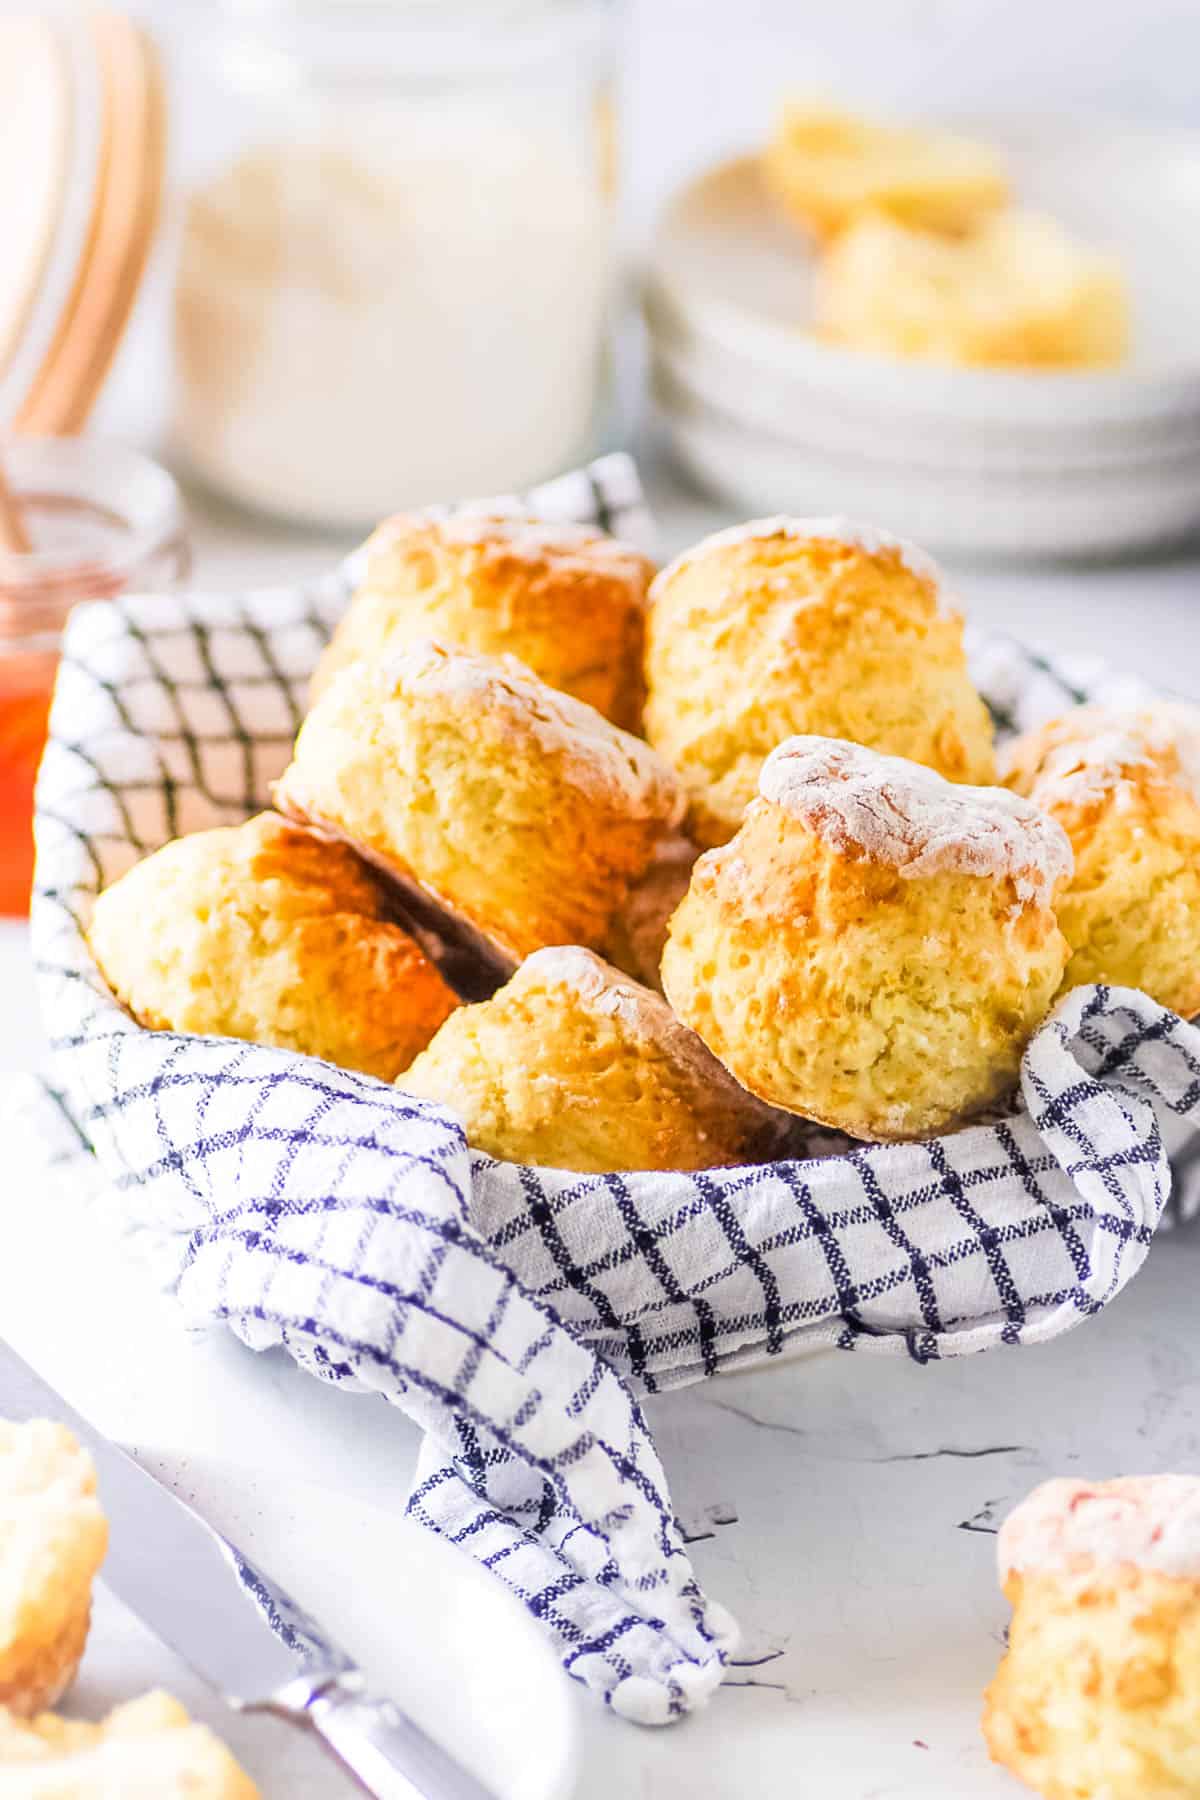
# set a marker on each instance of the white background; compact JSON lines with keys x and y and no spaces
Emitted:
{"x":703,"y":75}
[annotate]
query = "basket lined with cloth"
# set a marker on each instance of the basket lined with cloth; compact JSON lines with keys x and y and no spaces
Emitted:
{"x":519,"y":1313}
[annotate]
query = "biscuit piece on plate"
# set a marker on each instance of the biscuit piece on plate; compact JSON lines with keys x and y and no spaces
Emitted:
{"x":275,"y":934}
{"x":568,"y":600}
{"x":639,"y":931}
{"x":147,"y":1749}
{"x":827,"y":167}
{"x":1125,"y":787}
{"x":518,"y":810}
{"x":53,"y":1537}
{"x":804,"y":625}
{"x":876,"y":945}
{"x":1019,"y":292}
{"x":1099,"y":1691}
{"x":574,"y":1066}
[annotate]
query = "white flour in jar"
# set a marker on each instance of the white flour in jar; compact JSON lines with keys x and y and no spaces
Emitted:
{"x":374,"y":318}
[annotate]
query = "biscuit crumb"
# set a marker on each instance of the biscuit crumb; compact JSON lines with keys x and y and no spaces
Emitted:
{"x":147,"y":1749}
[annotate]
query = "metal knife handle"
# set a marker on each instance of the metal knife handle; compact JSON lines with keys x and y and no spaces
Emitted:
{"x":389,"y":1753}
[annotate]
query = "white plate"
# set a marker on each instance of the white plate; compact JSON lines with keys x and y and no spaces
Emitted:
{"x":427,"y":1624}
{"x":739,"y":275}
{"x":968,"y":517}
{"x":755,"y":397}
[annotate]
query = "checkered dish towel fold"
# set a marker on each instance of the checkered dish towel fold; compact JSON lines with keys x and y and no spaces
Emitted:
{"x":518,"y":1313}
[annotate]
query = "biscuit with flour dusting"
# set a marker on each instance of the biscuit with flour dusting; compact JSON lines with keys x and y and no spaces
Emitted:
{"x":876,"y":945}
{"x":518,"y":810}
{"x":567,"y":600}
{"x":1125,"y":787}
{"x":573,"y":1065}
{"x":1098,"y":1693}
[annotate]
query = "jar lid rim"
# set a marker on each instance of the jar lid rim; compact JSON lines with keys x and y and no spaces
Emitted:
{"x":139,"y":495}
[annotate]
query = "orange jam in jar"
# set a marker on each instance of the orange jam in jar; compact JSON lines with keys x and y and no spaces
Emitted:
{"x":101,"y":521}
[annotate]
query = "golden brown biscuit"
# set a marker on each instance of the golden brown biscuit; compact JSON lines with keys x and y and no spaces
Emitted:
{"x":516,"y":808}
{"x":573,"y":1066}
{"x":147,"y":1749}
{"x":567,"y":600}
{"x":828,"y":167}
{"x":804,"y":625}
{"x":876,"y":945}
{"x":53,"y":1537}
{"x":639,"y":931}
{"x":1125,"y":787}
{"x":271,"y":933}
{"x":1099,"y":1692}
{"x":1018,"y":292}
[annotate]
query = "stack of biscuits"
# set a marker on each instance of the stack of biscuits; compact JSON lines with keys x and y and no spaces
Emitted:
{"x":635,"y":870}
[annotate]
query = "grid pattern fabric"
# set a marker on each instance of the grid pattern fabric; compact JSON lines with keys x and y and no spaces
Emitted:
{"x":518,"y":1314}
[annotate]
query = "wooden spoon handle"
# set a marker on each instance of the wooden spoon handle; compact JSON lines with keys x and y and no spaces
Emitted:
{"x":14,"y":539}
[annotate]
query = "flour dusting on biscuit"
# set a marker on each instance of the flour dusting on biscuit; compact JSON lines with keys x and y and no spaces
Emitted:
{"x":518,"y":811}
{"x":1081,"y":757}
{"x":899,"y":813}
{"x":1125,"y":787}
{"x":572,"y":1065}
{"x":1151,"y":1521}
{"x":871,"y":540}
{"x":875,"y":946}
{"x":568,"y":600}
{"x":1098,"y":1689}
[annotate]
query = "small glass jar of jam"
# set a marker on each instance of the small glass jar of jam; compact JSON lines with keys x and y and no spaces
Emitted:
{"x":101,"y":521}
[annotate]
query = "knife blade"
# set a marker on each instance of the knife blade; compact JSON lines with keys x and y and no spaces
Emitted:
{"x":233,"y":1624}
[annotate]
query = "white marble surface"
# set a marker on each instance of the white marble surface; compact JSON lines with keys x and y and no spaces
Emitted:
{"x":841,"y":1507}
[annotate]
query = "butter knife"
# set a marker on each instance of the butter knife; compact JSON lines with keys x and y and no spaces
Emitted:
{"x":232,"y":1624}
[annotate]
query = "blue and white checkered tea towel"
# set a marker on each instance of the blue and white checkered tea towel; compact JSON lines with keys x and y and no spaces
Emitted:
{"x":518,"y":1313}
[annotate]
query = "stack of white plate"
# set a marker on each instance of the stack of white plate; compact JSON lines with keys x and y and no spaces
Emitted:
{"x":971,"y":461}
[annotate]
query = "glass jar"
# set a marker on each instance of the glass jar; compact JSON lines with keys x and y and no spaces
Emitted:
{"x":101,"y":521}
{"x":396,"y":254}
